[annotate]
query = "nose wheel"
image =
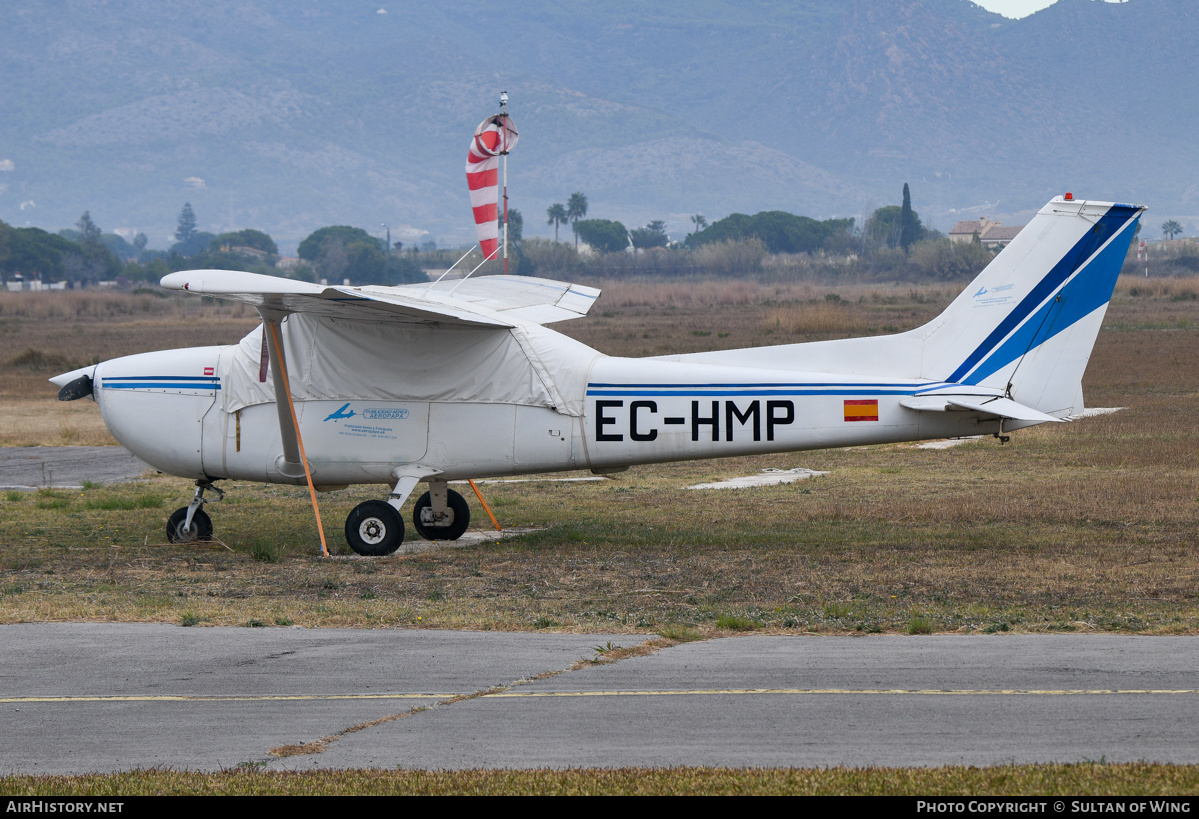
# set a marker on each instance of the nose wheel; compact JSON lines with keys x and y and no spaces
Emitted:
{"x":190,"y":523}
{"x":179,"y":532}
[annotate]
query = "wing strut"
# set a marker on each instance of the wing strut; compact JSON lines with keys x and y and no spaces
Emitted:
{"x":298,"y":443}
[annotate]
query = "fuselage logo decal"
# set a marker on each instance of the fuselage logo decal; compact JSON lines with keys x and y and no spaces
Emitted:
{"x":341,"y":413}
{"x":384,"y":414}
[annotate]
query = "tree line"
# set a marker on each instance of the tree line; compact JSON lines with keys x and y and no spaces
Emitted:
{"x":85,"y":255}
{"x":891,"y":242}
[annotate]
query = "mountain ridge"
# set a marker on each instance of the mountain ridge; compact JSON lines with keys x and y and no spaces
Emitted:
{"x":286,"y":116}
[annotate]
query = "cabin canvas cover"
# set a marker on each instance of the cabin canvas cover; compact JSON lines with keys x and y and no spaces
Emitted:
{"x":344,"y":360}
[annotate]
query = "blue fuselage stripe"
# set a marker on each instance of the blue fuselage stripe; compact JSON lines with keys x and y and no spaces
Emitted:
{"x":161,"y":382}
{"x":686,"y":393}
{"x":762,"y":384}
{"x":210,"y":378}
{"x":158,"y":385}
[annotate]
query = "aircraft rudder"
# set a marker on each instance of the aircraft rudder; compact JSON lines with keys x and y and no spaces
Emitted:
{"x":1048,"y":374}
{"x":1060,"y":268}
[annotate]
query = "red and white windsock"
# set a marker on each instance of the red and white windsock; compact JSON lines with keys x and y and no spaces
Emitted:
{"x":495,"y":136}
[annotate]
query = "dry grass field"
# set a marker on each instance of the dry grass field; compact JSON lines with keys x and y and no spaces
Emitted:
{"x":1083,"y":527}
{"x":1093,"y":779}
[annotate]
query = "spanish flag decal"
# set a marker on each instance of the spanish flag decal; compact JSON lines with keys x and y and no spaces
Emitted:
{"x":861,"y":410}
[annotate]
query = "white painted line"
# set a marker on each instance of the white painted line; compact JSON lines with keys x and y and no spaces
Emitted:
{"x":537,"y":480}
{"x":1091,"y":412}
{"x":469,"y":538}
{"x":767,"y":477}
{"x":948,"y":442}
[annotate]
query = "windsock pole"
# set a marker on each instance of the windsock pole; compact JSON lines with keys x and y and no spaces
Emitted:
{"x":504,"y":154}
{"x":505,"y":213}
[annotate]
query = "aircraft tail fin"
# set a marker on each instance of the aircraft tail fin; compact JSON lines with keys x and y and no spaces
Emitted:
{"x":1024,"y":328}
{"x":1027,"y":324}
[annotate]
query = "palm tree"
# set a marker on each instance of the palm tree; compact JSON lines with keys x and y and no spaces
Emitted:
{"x":699,"y":221}
{"x":557,"y":216}
{"x":576,"y":209}
{"x":1171,"y":229}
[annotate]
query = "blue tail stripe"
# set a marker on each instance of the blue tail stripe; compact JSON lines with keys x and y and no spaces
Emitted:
{"x":1107,"y":226}
{"x":1090,"y":290}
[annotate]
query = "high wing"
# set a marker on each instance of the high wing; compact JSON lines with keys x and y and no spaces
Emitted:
{"x":540,"y":301}
{"x":488,"y":301}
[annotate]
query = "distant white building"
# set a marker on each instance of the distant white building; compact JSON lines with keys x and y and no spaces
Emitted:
{"x":20,"y":283}
{"x":989,"y":231}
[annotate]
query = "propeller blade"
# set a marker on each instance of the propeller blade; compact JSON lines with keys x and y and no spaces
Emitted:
{"x":81,"y":387}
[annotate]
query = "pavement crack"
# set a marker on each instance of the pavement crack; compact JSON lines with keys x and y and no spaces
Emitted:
{"x":319,"y":745}
{"x":607,"y":654}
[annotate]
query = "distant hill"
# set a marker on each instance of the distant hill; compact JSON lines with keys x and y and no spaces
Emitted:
{"x":286,"y":115}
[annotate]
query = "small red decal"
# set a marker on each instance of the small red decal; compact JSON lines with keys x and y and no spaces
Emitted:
{"x":209,"y":370}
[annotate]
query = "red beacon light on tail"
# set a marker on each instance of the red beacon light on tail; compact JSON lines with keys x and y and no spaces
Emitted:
{"x":1069,"y":197}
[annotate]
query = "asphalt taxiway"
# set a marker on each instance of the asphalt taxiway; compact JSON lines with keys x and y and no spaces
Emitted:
{"x":109,"y":697}
{"x":37,"y":467}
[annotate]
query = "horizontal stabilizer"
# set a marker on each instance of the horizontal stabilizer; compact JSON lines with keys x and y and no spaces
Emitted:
{"x":987,"y":404}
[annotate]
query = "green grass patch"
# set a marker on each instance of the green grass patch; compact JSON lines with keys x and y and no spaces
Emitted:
{"x":266,"y":551}
{"x":124,"y":502}
{"x":734,"y":622}
{"x":919,"y":624}
{"x":837,"y":611}
{"x":680,"y":633}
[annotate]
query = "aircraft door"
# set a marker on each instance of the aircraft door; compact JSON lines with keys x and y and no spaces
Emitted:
{"x":213,"y":426}
{"x":544,"y":439}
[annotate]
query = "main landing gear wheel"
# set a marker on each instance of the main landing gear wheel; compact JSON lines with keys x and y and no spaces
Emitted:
{"x":201,"y":528}
{"x":450,"y":527}
{"x":374,"y":528}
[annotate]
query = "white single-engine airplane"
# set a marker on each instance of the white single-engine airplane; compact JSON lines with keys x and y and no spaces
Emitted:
{"x":461,"y":379}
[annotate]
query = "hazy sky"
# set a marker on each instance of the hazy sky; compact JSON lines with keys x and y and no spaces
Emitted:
{"x":1019,"y":8}
{"x":1014,"y":8}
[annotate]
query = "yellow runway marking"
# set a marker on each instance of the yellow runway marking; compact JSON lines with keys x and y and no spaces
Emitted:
{"x":682,"y":692}
{"x":850,"y":692}
{"x":230,"y":698}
